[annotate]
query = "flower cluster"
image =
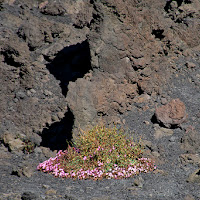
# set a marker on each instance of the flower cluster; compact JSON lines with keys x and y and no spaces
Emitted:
{"x":101,"y":153}
{"x":145,"y":165}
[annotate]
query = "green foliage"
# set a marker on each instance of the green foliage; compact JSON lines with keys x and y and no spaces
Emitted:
{"x":29,"y":146}
{"x":107,"y":145}
{"x":100,"y":144}
{"x":99,"y":153}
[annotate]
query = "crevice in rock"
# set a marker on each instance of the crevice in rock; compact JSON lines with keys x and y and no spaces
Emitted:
{"x":155,"y":121}
{"x":167,"y":7}
{"x":9,"y":60}
{"x":71,"y":63}
{"x":58,"y":135}
{"x":198,"y":173}
{"x":140,"y":91}
{"x":188,"y":1}
{"x":97,"y":18}
{"x":158,"y":33}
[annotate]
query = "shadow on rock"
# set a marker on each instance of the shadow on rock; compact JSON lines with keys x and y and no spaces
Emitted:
{"x":56,"y":136}
{"x":70,"y":63}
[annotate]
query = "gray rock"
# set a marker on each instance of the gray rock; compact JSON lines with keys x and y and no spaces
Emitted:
{"x":172,"y":139}
{"x":161,"y":132}
{"x":16,"y":145}
{"x":194,"y":177}
{"x":50,"y":192}
{"x":189,"y":197}
{"x":190,"y":64}
{"x":28,"y":170}
{"x":139,"y":182}
{"x":53,"y":8}
{"x":20,"y":95}
{"x":190,"y":158}
{"x":191,"y":141}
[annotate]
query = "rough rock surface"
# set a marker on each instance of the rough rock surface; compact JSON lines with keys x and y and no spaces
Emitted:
{"x":171,"y":114}
{"x":69,"y":64}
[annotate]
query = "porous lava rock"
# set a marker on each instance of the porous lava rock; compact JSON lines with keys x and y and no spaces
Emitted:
{"x":132,"y":48}
{"x":171,"y":114}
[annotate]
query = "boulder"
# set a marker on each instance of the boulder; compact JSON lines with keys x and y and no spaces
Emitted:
{"x":194,"y":177}
{"x":190,"y":142}
{"x":16,"y":145}
{"x":171,"y":114}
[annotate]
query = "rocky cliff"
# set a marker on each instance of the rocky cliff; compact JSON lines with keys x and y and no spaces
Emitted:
{"x":66,"y":65}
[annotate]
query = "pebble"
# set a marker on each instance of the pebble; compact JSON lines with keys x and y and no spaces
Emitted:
{"x":190,"y":64}
{"x":54,"y":118}
{"x":139,"y":182}
{"x":46,"y":186}
{"x":20,"y":95}
{"x":47,"y":93}
{"x":27,"y":171}
{"x":156,"y":154}
{"x":32,"y":91}
{"x":147,"y":122}
{"x":29,"y":93}
{"x":51,"y":191}
{"x":163,"y":101}
{"x":60,"y":115}
{"x":172,"y":139}
{"x":15,"y":100}
{"x":38,"y":150}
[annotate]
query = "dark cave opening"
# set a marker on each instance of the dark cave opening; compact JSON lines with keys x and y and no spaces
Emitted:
{"x":9,"y":58}
{"x":158,"y":33}
{"x":56,"y":136}
{"x":198,"y":173}
{"x":168,"y":7}
{"x":70,"y":63}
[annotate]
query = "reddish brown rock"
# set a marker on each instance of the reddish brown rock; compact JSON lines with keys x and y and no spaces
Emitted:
{"x":171,"y":114}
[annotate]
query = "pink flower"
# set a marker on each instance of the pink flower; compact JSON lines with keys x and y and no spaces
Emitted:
{"x":85,"y":158}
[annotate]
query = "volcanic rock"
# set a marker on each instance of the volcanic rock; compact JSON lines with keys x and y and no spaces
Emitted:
{"x":194,"y":177}
{"x":190,"y":142}
{"x":171,"y":114}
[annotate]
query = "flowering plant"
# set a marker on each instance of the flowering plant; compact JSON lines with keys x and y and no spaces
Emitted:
{"x":99,"y":153}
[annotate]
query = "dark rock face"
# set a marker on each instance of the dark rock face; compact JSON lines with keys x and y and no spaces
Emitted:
{"x":70,"y":64}
{"x":99,"y":55}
